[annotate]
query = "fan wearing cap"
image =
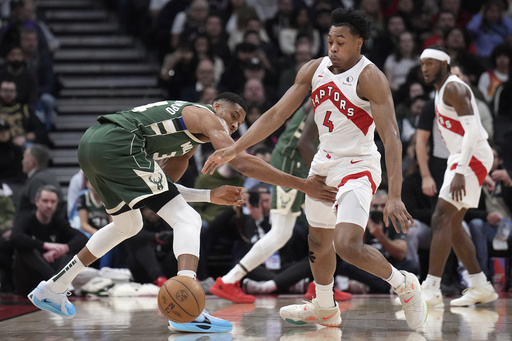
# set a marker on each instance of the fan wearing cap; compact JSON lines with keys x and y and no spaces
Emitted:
{"x":469,"y":162}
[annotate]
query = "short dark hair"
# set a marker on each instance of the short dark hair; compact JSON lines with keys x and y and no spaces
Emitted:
{"x":233,"y":98}
{"x":500,"y":49}
{"x":40,"y":153}
{"x":354,"y":19}
{"x":48,"y":188}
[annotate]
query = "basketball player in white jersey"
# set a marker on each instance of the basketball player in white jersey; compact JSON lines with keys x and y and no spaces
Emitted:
{"x":469,"y":162}
{"x":351,"y":97}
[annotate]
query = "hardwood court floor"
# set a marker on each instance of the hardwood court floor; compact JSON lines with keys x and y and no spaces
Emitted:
{"x":366,"y":317}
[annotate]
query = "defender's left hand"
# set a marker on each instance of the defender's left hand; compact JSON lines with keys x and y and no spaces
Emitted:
{"x":396,"y":212}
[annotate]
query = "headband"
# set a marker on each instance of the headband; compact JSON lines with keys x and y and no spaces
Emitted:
{"x":435,"y":54}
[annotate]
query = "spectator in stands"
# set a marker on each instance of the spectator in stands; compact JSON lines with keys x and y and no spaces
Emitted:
{"x":25,"y":127}
{"x":264,"y":153}
{"x":15,"y":70}
{"x":458,"y":44}
{"x":372,"y":10}
{"x":91,"y":211}
{"x":237,"y":14}
{"x":44,"y":241}
{"x":386,"y":43}
{"x":401,"y":61}
{"x":265,"y":52}
{"x":35,"y":165}
{"x":283,"y":19}
{"x":150,"y":255}
{"x":254,"y":94}
{"x":445,"y":21}
{"x":214,"y":30}
{"x":28,"y":14}
{"x":205,"y":77}
{"x":189,"y":23}
{"x":178,"y":71}
{"x":40,"y":61}
{"x":490,"y":28}
{"x":163,"y":24}
{"x":10,"y":158}
{"x":233,"y":78}
{"x":301,"y":24}
{"x":7,"y":212}
{"x":303,"y":53}
{"x":491,"y":79}
{"x":203,"y":50}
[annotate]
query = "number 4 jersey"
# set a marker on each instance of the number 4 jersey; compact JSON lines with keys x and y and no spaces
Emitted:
{"x":345,"y":121}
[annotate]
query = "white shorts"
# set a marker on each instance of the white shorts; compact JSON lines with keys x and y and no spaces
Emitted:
{"x":359,"y":176}
{"x":479,"y":166}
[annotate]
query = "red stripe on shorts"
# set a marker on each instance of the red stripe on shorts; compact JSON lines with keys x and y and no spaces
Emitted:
{"x":477,"y":167}
{"x":357,"y":176}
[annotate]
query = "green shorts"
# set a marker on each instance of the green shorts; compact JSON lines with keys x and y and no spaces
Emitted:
{"x":117,"y":165}
{"x":286,"y":200}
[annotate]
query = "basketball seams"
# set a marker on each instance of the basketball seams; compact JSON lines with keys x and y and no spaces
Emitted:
{"x":184,"y":286}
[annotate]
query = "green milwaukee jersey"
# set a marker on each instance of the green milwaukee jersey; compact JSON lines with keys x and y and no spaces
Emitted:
{"x":161,"y":125}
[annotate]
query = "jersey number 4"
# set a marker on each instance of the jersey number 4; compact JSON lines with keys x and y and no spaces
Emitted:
{"x":327,"y":122}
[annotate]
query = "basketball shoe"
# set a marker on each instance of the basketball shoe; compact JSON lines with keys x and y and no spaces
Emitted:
{"x":338,"y":295}
{"x":473,"y":295}
{"x":415,"y":307}
{"x":432,"y":296}
{"x":231,"y":292}
{"x":204,"y":323}
{"x":43,"y":298}
{"x":311,"y":312}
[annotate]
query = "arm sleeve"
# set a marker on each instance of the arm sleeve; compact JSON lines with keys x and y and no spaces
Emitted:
{"x":194,"y":195}
{"x":469,"y":141}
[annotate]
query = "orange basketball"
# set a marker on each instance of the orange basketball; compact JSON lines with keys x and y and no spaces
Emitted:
{"x":181,"y":299}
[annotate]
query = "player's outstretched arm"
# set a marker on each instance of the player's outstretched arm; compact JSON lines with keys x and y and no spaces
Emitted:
{"x":269,"y":121}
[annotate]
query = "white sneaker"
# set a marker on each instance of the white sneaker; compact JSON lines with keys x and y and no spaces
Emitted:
{"x":415,"y":307}
{"x":43,"y":298}
{"x":311,"y":312}
{"x":432,"y":296}
{"x":473,"y":295}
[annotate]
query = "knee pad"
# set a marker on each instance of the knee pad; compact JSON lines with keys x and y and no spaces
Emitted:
{"x":124,"y":226}
{"x":186,"y":223}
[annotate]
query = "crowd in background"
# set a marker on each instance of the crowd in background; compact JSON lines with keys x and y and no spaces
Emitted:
{"x":255,"y":48}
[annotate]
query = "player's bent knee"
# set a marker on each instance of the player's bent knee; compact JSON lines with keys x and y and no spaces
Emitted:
{"x":128,"y":224}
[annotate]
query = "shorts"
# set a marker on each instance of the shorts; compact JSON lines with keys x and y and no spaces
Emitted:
{"x":359,"y":175}
{"x":288,"y":200}
{"x":118,"y":167}
{"x":478,"y":169}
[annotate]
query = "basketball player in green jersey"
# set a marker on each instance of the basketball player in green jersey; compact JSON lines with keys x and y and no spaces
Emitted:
{"x":286,"y":204}
{"x":121,"y":157}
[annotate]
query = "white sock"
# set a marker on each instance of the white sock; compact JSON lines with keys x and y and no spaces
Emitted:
{"x":433,"y":282}
{"x":396,"y":279}
{"x":187,"y":273}
{"x":325,"y":295}
{"x":477,"y":280}
{"x":234,"y":275}
{"x":61,"y":281}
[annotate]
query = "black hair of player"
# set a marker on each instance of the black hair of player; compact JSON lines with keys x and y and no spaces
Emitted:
{"x":356,"y":20}
{"x":233,"y":98}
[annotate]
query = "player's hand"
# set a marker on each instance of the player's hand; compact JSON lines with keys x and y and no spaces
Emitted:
{"x":458,"y":187}
{"x":227,"y":195}
{"x":428,"y":186}
{"x":218,"y":158}
{"x":396,"y":212}
{"x":317,"y":189}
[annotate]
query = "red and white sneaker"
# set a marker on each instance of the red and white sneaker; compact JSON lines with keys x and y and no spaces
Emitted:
{"x":311,"y":312}
{"x":415,"y":307}
{"x":338,"y":295}
{"x":230,"y":292}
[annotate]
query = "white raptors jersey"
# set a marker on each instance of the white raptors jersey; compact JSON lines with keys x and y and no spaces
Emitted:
{"x":448,"y":120}
{"x":345,"y":122}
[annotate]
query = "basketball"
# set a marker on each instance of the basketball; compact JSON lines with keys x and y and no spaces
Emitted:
{"x":181,"y":299}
